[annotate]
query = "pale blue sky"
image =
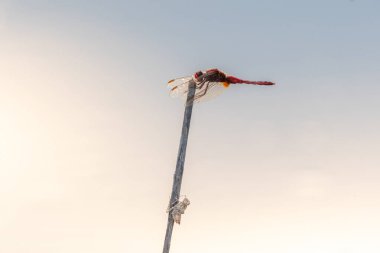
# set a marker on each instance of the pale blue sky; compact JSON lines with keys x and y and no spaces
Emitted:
{"x":89,"y":135}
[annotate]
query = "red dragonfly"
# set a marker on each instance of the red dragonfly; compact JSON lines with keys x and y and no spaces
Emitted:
{"x":208,"y":84}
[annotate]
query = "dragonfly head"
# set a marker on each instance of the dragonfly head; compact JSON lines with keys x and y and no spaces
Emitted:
{"x":198,"y":74}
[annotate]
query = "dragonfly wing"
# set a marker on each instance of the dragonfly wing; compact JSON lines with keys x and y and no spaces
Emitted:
{"x":209,"y":91}
{"x":204,"y":90}
{"x":179,"y":87}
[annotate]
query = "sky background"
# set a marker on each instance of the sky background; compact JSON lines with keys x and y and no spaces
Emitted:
{"x":89,"y":136}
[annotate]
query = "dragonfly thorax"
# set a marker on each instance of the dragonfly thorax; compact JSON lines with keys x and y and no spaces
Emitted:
{"x":212,"y":75}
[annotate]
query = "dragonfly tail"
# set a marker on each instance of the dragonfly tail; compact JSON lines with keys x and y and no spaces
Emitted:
{"x":232,"y":79}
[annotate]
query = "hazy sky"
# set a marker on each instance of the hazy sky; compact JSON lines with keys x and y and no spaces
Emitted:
{"x":89,"y":135}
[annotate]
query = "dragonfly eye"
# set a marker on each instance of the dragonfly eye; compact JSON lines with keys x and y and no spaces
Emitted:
{"x":198,"y":74}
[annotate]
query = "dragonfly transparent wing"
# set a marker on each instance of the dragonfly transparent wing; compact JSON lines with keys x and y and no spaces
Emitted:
{"x":204,"y":90}
{"x":179,"y":87}
{"x":209,"y":91}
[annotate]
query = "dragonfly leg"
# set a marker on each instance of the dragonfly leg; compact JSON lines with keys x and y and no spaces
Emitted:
{"x":201,"y":84}
{"x":198,"y":86}
{"x":203,"y":93}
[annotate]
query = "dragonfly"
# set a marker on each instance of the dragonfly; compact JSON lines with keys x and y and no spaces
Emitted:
{"x":208,"y":84}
